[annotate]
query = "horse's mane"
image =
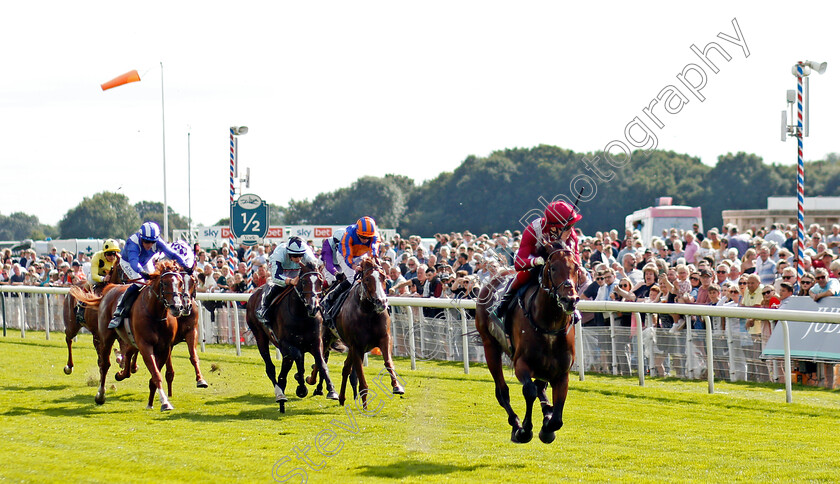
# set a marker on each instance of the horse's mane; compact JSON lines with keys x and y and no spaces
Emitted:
{"x":165,"y":266}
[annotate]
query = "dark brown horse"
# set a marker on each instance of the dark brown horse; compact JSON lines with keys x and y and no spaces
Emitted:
{"x":151,"y":329}
{"x":363,"y":323}
{"x":72,"y":325}
{"x":298,"y":328}
{"x":543,"y":336}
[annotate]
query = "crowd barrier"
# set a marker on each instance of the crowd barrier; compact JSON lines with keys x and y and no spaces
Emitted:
{"x":444,"y":329}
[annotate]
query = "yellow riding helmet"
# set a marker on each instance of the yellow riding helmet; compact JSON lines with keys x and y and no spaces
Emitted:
{"x":110,"y":245}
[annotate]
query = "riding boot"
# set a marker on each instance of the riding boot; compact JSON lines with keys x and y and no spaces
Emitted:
{"x":267,"y":296}
{"x":501,"y":309}
{"x":123,"y":306}
{"x":332,"y":297}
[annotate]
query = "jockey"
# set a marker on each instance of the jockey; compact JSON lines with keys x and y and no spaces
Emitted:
{"x":284,"y":269}
{"x":103,"y":261}
{"x":556,"y":225}
{"x":138,"y":261}
{"x":358,"y":240}
{"x":331,"y":255}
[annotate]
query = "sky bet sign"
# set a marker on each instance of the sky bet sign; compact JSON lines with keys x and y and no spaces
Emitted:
{"x":249,"y":219}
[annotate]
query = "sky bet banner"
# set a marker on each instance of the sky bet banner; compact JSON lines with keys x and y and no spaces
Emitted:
{"x":808,"y":341}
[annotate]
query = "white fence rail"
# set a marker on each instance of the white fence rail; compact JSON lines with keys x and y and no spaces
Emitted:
{"x":443,"y":329}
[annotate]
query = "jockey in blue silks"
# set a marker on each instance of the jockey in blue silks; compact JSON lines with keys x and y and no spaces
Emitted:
{"x":138,"y":261}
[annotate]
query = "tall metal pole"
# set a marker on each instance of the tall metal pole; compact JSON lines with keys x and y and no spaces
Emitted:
{"x":189,"y":192}
{"x":800,"y":178}
{"x":232,"y":193}
{"x":163,"y":125}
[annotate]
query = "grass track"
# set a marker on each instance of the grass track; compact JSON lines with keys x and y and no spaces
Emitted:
{"x":447,"y":428}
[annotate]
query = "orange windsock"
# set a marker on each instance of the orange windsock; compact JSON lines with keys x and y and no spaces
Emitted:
{"x":130,"y":76}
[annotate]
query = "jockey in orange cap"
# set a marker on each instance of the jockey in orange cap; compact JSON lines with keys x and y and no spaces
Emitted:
{"x":359,"y":239}
{"x":555,"y":225}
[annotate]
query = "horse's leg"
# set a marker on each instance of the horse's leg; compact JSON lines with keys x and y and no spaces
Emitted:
{"x":316,"y":376}
{"x":324,"y":375}
{"x":544,"y":403}
{"x":104,"y":364}
{"x":301,"y":391}
{"x":559,"y":389}
{"x":153,"y":361}
{"x":170,"y":375}
{"x":192,"y":340}
{"x":529,"y":391}
{"x":97,"y":343}
{"x":493,"y":356}
{"x":71,"y":329}
{"x":128,"y":353}
{"x":385,"y":347}
{"x":283,"y":374}
{"x":363,"y":386}
{"x":345,"y":373}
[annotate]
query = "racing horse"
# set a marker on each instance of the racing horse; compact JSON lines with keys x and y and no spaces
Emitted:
{"x":151,"y":329}
{"x":187,"y":332}
{"x":542,"y":333}
{"x":363,"y":323}
{"x":89,"y":318}
{"x":297,"y":328}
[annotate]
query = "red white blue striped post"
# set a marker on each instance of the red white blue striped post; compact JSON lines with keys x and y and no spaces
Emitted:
{"x":800,"y":178}
{"x":232,"y":193}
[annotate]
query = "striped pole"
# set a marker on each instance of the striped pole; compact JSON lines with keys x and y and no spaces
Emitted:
{"x":249,"y":259}
{"x":232,"y":193}
{"x":800,"y":178}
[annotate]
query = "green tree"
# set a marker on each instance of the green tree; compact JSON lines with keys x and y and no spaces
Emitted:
{"x":153,"y":212}
{"x":103,"y":215}
{"x":18,"y":226}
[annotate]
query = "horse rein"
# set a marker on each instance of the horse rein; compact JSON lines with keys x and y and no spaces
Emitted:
{"x":363,"y":294}
{"x":553,"y":289}
{"x":301,"y":294}
{"x":162,"y":293}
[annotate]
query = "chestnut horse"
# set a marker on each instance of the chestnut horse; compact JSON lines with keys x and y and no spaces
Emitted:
{"x":187,"y":332}
{"x":72,"y":325}
{"x":543,"y":336}
{"x":298,"y":328}
{"x":363,"y":323}
{"x":151,"y":329}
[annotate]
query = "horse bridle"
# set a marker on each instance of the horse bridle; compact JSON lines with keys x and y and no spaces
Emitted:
{"x":163,"y":293}
{"x":553,"y":289}
{"x":363,"y":294}
{"x":300,"y":293}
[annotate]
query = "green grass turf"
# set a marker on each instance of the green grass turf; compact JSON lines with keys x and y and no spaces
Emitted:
{"x":447,"y":428}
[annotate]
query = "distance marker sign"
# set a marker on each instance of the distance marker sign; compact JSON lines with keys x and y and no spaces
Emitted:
{"x":249,"y":219}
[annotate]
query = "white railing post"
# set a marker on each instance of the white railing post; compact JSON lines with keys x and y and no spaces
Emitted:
{"x":235,"y":311}
{"x":612,"y":344}
{"x":788,"y":376}
{"x":465,"y":341}
{"x":640,"y":347}
{"x":201,"y":335}
{"x":411,"y":338}
{"x":46,"y":314}
{"x":581,"y":356}
{"x":710,"y":355}
{"x":21,"y":312}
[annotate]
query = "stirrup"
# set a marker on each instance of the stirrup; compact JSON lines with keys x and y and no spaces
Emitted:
{"x":115,"y":323}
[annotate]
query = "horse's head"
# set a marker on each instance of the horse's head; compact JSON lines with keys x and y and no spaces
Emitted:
{"x":559,"y":277}
{"x":309,"y":287}
{"x":188,"y":295}
{"x":168,"y":285}
{"x":373,"y":284}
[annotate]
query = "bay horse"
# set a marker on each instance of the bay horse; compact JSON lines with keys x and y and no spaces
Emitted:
{"x":151,"y":329}
{"x":72,"y":325}
{"x":298,"y":328}
{"x":542,"y":333}
{"x":363,"y":323}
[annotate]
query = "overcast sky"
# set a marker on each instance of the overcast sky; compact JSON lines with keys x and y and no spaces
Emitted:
{"x":332,"y":91}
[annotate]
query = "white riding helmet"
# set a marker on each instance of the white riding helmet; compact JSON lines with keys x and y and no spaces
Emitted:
{"x":296,"y":246}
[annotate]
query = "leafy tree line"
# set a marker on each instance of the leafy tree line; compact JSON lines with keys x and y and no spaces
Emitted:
{"x":487,"y":194}
{"x":497,"y":192}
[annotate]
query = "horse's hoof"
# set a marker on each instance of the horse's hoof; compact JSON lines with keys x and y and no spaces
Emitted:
{"x":301,"y":391}
{"x":546,"y":437}
{"x":165,"y":407}
{"x":282,"y":406}
{"x":119,"y":376}
{"x":341,"y":400}
{"x":399,"y":390}
{"x":316,"y":392}
{"x":332,"y":396}
{"x":310,"y":380}
{"x":99,"y":398}
{"x":68,"y":370}
{"x":201,"y":383}
{"x":523,"y":436}
{"x":149,"y":407}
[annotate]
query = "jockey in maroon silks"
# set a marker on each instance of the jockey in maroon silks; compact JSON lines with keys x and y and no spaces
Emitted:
{"x":555,"y":225}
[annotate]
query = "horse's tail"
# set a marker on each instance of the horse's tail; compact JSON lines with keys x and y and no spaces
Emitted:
{"x":88,"y":298}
